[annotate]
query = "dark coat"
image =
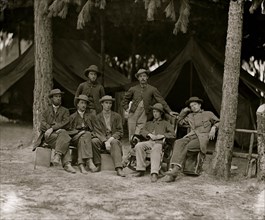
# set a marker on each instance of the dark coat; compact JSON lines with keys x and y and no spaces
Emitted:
{"x":75,"y":124}
{"x":50,"y":119}
{"x":150,"y":95}
{"x":94,"y":91}
{"x":158,"y":127}
{"x":116,"y":127}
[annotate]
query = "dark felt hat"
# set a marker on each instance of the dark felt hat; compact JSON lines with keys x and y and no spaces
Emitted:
{"x":159,"y":107}
{"x":92,"y":68}
{"x":54,"y":92}
{"x":193,"y":99}
{"x":140,"y":71}
{"x":80,"y":97}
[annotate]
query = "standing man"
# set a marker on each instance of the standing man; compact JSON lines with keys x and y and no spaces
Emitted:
{"x":92,"y":89}
{"x":142,"y":97}
{"x":82,"y":131}
{"x":155,"y":131}
{"x":203,"y":125}
{"x":53,"y":124}
{"x":109,"y":132}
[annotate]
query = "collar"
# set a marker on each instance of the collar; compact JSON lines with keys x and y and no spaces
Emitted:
{"x":160,"y":119}
{"x":143,"y":85}
{"x":81,"y":113}
{"x":106,"y":113}
{"x":56,"y":107}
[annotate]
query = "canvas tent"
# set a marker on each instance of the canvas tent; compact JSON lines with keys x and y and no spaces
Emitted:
{"x":70,"y":59}
{"x":197,"y":70}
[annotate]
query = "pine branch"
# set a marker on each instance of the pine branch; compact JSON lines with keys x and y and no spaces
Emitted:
{"x":84,"y":15}
{"x":170,"y":11}
{"x":183,"y":20}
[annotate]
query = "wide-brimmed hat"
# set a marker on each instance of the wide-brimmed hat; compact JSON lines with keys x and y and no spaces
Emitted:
{"x":140,"y":71}
{"x":159,"y":107}
{"x":194,"y":99}
{"x":106,"y":98}
{"x":81,"y":97}
{"x":92,"y":68}
{"x":54,"y":92}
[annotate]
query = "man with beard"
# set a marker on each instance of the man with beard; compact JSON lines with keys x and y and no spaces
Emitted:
{"x":92,"y":89}
{"x":53,"y":123}
{"x":82,"y":131}
{"x":142,"y":97}
{"x":109,"y":131}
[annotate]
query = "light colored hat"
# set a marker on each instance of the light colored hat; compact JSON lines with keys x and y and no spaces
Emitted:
{"x":80,"y":97}
{"x":193,"y":99}
{"x":159,"y":107}
{"x":106,"y":98}
{"x":92,"y":68}
{"x":54,"y":92}
{"x":140,"y":71}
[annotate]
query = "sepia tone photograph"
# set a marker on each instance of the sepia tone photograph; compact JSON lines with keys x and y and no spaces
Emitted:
{"x":132,"y":109}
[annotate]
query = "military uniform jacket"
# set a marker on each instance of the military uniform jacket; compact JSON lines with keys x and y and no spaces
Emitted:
{"x":200,"y":124}
{"x":116,"y":127}
{"x":149,"y":94}
{"x":158,"y":127}
{"x":94,"y":91}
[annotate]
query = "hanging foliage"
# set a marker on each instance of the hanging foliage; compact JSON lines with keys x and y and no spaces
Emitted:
{"x":183,"y":20}
{"x":170,"y":11}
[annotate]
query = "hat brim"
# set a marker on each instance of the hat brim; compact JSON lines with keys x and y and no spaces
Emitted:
{"x":51,"y":95}
{"x":197,"y":100}
{"x":137,"y":74}
{"x":113,"y":100}
{"x":158,"y":109}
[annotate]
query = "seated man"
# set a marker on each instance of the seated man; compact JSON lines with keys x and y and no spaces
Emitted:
{"x":82,"y":131}
{"x":203,"y":125}
{"x":53,"y":123}
{"x":155,"y":131}
{"x":109,"y":132}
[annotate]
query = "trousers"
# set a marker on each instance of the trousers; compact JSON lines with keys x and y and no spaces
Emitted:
{"x":156,"y":155}
{"x":115,"y":151}
{"x":60,"y":142}
{"x":181,"y":146}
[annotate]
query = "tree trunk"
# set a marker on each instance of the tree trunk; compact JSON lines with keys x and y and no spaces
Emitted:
{"x":261,"y":143}
{"x":223,"y":153}
{"x":43,"y":62}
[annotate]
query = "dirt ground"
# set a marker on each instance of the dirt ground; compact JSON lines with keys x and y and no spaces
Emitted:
{"x":51,"y":193}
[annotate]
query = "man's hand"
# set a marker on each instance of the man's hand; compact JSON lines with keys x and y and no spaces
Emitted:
{"x":187,"y":109}
{"x":107,"y":145}
{"x":212,"y":133}
{"x":58,"y":131}
{"x":174,"y":114}
{"x":160,"y":136}
{"x":48,"y":133}
{"x":81,"y":132}
{"x":152,"y":136}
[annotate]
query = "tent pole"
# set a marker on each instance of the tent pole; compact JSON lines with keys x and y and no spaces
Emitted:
{"x":191,"y":75}
{"x":102,"y":44}
{"x":19,"y":39}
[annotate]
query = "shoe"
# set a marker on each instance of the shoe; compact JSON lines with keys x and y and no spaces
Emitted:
{"x":91,"y":166}
{"x":139,"y":173}
{"x":56,"y":159}
{"x":174,"y":172}
{"x":68,"y":167}
{"x":154,"y":177}
{"x":82,"y":168}
{"x":168,"y":179}
{"x":120,"y":172}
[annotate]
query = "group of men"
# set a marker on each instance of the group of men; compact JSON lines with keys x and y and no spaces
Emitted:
{"x":95,"y":127}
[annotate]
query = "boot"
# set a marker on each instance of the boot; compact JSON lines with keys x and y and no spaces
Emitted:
{"x":82,"y":168}
{"x":91,"y":166}
{"x":174,"y":172}
{"x":68,"y":167}
{"x":168,"y":179}
{"x":154,"y":177}
{"x":120,"y":172}
{"x":139,"y":173}
{"x":57,"y":159}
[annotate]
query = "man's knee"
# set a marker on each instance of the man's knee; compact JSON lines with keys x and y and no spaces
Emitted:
{"x":96,"y":142}
{"x":64,"y":136}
